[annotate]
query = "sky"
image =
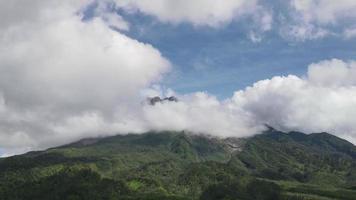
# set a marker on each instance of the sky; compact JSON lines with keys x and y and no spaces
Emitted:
{"x":225,"y":59}
{"x":83,"y":68}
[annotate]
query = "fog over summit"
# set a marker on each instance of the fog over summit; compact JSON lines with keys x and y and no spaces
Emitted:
{"x":63,"y":78}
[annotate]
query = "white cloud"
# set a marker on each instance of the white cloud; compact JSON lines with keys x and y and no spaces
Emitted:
{"x":324,"y":101}
{"x":93,"y":88}
{"x":349,"y":33}
{"x":109,"y":16}
{"x":201,"y":113}
{"x":115,"y":21}
{"x":303,"y":32}
{"x":255,"y":38}
{"x":266,"y":21}
{"x":61,"y":76}
{"x":314,"y":19}
{"x":199,"y":12}
{"x":63,"y":79}
{"x":333,"y":73}
{"x":325,"y":11}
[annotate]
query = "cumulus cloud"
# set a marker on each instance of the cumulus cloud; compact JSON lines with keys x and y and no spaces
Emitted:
{"x":60,"y":74}
{"x":323,"y":101}
{"x":201,"y":113}
{"x":199,"y":12}
{"x":333,"y":73}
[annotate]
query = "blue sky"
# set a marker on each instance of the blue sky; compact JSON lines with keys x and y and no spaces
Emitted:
{"x":223,"y":60}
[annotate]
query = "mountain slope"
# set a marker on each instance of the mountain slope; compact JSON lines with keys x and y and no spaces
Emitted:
{"x":178,"y":165}
{"x":146,"y":162}
{"x":318,"y":158}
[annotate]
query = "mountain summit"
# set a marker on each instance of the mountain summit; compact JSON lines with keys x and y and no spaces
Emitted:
{"x":153,"y":100}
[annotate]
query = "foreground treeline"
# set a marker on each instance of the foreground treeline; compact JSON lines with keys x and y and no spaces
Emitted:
{"x":85,"y":184}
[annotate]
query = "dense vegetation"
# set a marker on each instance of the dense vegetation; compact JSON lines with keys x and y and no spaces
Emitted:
{"x":172,"y":165}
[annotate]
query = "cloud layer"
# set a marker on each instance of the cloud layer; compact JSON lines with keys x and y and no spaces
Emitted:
{"x":325,"y":11}
{"x":63,"y":78}
{"x":323,"y":101}
{"x":200,"y":12}
{"x":58,"y":71}
{"x":315,"y":19}
{"x":297,"y":20}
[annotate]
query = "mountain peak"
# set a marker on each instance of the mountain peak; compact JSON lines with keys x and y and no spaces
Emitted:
{"x":154,"y":100}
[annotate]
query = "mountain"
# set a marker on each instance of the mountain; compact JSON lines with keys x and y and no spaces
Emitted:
{"x":153,"y":100}
{"x":180,"y":165}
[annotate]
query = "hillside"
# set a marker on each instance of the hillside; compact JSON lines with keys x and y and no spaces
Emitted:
{"x":179,"y":165}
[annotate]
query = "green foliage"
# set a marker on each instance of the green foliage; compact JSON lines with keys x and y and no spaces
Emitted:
{"x":179,"y":166}
{"x":135,"y":185}
{"x":253,"y":190}
{"x":67,"y":184}
{"x":317,"y":158}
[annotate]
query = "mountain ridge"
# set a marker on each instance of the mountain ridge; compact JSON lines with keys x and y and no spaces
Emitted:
{"x":181,"y":165}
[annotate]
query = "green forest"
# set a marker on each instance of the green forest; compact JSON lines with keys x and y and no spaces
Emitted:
{"x":182,"y":166}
